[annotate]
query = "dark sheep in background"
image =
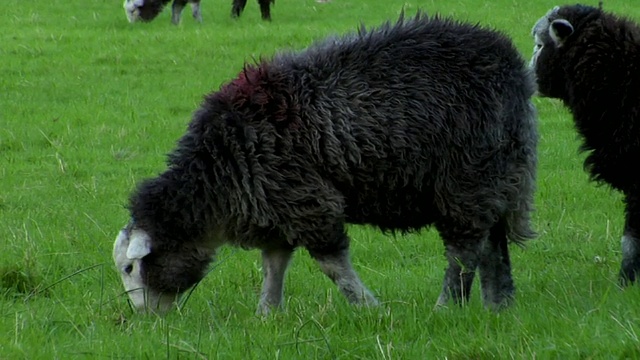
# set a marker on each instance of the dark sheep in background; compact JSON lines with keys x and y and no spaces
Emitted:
{"x":590,"y":60}
{"x":427,"y":121}
{"x":265,"y":8}
{"x":147,"y":10}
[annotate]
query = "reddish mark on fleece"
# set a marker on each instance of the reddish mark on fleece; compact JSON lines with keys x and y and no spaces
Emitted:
{"x":247,"y":87}
{"x":263,"y":93}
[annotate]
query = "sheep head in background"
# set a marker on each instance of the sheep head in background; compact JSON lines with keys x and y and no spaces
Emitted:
{"x":147,"y":10}
{"x":426,"y":121}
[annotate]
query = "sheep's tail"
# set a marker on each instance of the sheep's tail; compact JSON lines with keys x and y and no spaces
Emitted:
{"x":518,"y":217}
{"x":517,"y":220}
{"x":518,"y":227}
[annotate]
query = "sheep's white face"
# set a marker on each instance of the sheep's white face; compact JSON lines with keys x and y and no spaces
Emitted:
{"x":540,"y":33}
{"x":537,"y":49}
{"x":132,"y":9}
{"x":130,"y":247}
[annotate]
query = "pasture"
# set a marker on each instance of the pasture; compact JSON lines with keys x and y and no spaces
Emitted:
{"x":90,"y":105}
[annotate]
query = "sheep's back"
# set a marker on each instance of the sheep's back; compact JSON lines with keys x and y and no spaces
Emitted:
{"x":400,"y":117}
{"x":393,"y":127}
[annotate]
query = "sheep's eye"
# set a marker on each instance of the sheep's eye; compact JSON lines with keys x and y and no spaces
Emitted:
{"x":127,"y":269}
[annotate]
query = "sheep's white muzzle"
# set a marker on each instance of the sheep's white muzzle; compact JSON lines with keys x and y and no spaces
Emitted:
{"x":146,"y":301}
{"x":132,"y":9}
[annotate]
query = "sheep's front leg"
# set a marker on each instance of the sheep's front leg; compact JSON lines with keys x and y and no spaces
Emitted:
{"x":630,"y":270}
{"x":274,"y":267}
{"x":462,"y":256}
{"x":337,"y":267}
{"x":195,"y":10}
{"x":495,"y":270}
{"x":176,"y":10}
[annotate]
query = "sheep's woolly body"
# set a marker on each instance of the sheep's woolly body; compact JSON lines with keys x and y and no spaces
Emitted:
{"x":591,"y":61}
{"x":422,"y":122}
{"x":147,"y":10}
{"x":335,"y":132}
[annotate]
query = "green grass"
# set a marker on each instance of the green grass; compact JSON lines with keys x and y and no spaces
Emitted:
{"x":90,"y":104}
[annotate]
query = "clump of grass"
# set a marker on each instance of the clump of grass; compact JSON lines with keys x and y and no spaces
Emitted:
{"x":16,"y":281}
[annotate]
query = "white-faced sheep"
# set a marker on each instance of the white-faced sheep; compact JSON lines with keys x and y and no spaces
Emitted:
{"x":147,"y":10}
{"x":426,"y":121}
{"x":590,"y":60}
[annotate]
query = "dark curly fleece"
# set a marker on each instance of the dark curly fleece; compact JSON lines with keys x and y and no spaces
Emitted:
{"x":415,"y":123}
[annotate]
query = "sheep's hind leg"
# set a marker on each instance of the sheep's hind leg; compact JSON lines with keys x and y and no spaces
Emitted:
{"x":195,"y":11}
{"x":274,"y":267}
{"x":265,"y":9}
{"x":630,"y":269}
{"x":337,"y":267}
{"x":176,"y":10}
{"x":463,"y":257}
{"x":495,"y":270}
{"x":238,"y":7}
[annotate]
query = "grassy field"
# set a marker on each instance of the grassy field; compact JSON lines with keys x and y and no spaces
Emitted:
{"x":90,"y":104}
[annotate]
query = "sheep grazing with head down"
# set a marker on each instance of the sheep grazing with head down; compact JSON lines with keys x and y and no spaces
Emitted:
{"x":590,"y":60}
{"x":426,"y":121}
{"x":147,"y":10}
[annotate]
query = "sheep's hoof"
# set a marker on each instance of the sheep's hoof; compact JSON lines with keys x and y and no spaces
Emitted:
{"x":367,"y":303}
{"x":266,"y":309}
{"x":371,"y":301}
{"x":500,"y":305}
{"x":627,"y":277}
{"x":439,"y":306}
{"x":629,"y":271}
{"x":362,"y":298}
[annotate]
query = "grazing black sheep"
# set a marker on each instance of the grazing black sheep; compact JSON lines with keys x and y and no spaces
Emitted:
{"x":590,"y":60}
{"x":147,"y":10}
{"x":427,"y":121}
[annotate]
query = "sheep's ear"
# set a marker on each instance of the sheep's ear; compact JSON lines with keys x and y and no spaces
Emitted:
{"x":139,"y":245}
{"x":560,"y":30}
